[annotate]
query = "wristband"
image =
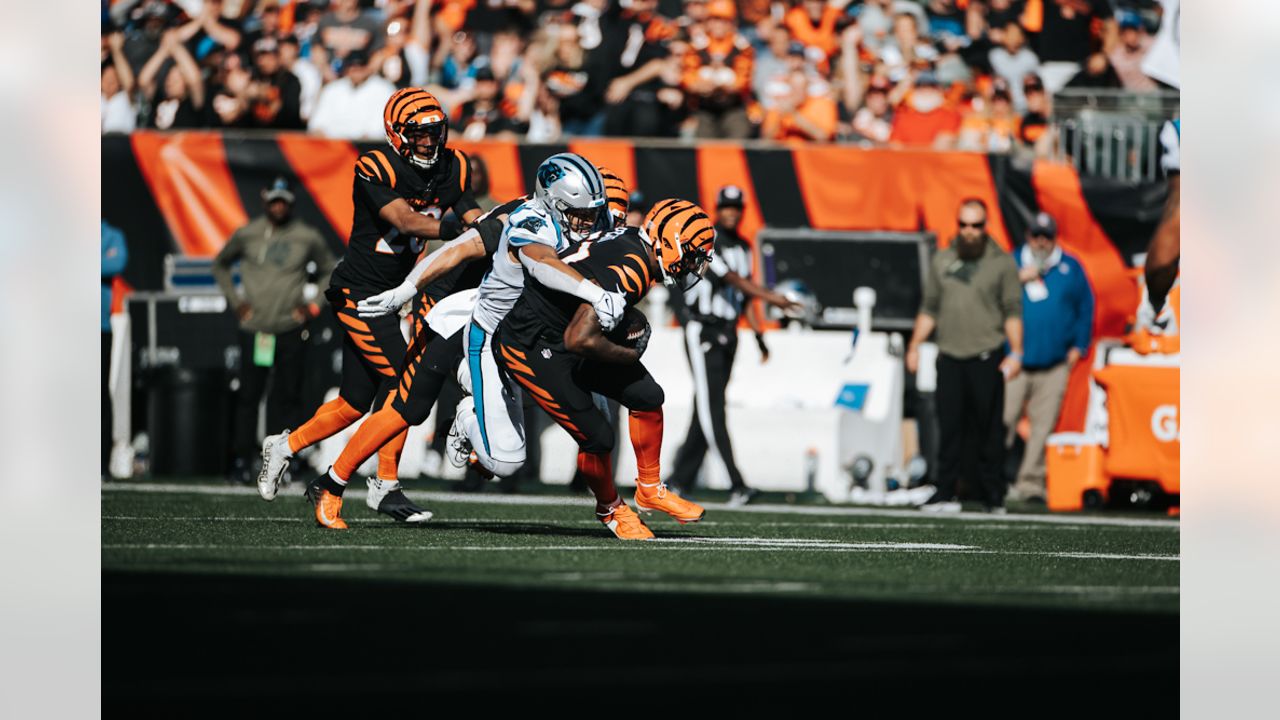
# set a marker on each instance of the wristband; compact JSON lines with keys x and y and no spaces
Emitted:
{"x":1015,"y":355}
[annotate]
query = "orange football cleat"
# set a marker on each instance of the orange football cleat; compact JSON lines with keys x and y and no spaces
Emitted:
{"x":625,"y":524}
{"x":658,"y":496}
{"x":329,"y":511}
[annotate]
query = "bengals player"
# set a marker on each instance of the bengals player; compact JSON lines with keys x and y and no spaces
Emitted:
{"x":552,"y":344}
{"x":400,"y":196}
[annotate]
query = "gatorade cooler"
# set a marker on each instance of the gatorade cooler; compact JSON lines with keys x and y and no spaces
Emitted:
{"x":1075,"y":470}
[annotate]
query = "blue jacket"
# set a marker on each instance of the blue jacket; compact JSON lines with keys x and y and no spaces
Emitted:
{"x":1063,"y":320}
{"x":114,"y":256}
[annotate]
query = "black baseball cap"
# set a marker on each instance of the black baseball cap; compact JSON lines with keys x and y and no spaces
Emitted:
{"x":730,"y":196}
{"x":1043,"y":224}
{"x":278,"y":190}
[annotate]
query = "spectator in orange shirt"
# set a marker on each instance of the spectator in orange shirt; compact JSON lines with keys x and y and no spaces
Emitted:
{"x":801,"y":107}
{"x":813,"y":23}
{"x":923,"y":119}
{"x":717,"y":76}
{"x":992,"y":124}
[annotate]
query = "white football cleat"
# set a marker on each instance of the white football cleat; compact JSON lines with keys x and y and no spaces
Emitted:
{"x":458,"y":446}
{"x":386,"y":497}
{"x":275,"y":460}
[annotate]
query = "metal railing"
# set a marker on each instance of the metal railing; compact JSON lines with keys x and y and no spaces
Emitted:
{"x":1112,"y":133}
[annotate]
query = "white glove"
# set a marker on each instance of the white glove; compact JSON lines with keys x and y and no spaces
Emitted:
{"x":609,"y":308}
{"x":387,"y":302}
{"x":1162,"y":323}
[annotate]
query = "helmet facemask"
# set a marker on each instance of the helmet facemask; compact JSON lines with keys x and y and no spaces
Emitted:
{"x":686,"y":271}
{"x":421,"y":144}
{"x":579,"y":223}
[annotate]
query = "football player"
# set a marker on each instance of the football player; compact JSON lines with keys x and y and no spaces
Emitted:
{"x":439,"y":339}
{"x":569,"y":198}
{"x":552,"y":346}
{"x":399,"y":197}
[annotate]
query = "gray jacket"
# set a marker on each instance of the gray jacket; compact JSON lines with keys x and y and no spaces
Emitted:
{"x":273,"y":271}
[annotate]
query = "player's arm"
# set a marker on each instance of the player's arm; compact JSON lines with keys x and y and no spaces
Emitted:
{"x":408,"y":221}
{"x":465,"y":248}
{"x":1166,"y":247}
{"x":754,"y":290}
{"x":543,"y":265}
{"x":585,"y":337}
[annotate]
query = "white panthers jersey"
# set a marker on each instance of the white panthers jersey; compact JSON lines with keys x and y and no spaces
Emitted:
{"x":529,"y":223}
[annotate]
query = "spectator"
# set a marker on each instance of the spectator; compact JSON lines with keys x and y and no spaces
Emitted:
{"x":265,"y":23}
{"x":923,"y":119}
{"x":874,"y":120}
{"x":346,"y":29}
{"x":1013,"y":61}
{"x":180,"y":102}
{"x":905,"y":51}
{"x":118,"y":111}
{"x":771,"y":62}
{"x":876,"y":21}
{"x":1097,"y":73}
{"x":310,"y":77}
{"x":637,"y":208}
{"x":149,"y":20}
{"x":972,"y":298}
{"x":633,"y":95}
{"x":717,"y":76}
{"x":992,"y":124}
{"x":209,"y":30}
{"x":115,"y":255}
{"x":693,"y":23}
{"x":1128,"y":55}
{"x":1066,"y":35}
{"x":405,"y":59}
{"x":352,"y":107}
{"x":455,"y":68}
{"x":274,"y":251}
{"x":1033,"y":129}
{"x":813,"y":23}
{"x":483,"y":115}
{"x":273,"y":98}
{"x":801,"y":107}
{"x":570,"y":93}
{"x":1057,"y":315}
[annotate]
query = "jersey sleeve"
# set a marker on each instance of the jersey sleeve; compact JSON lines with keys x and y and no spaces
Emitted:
{"x":376,"y":179}
{"x":525,"y":227}
{"x":491,"y":223}
{"x":718,"y":266}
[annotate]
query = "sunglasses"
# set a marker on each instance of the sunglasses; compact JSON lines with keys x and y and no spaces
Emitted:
{"x":964,"y":224}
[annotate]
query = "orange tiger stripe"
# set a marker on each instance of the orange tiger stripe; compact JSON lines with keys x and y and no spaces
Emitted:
{"x":644,"y":268}
{"x":364,"y":343}
{"x":370,"y":168}
{"x":354,"y":323}
{"x":515,"y":352}
{"x":518,"y":366}
{"x":536,"y":390}
{"x":622,"y":278}
{"x":634,"y":276}
{"x":391,"y":174}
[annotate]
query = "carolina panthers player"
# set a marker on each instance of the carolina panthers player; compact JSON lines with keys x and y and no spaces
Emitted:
{"x":569,"y":199}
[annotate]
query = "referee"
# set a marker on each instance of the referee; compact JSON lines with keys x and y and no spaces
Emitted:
{"x":709,"y":313}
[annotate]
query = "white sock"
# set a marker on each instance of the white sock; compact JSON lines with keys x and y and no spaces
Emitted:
{"x":337,"y":479}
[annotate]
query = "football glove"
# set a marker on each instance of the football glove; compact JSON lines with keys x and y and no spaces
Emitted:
{"x":609,"y":308}
{"x":387,"y":302}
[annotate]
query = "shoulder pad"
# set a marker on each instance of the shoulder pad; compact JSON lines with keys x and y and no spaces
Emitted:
{"x":376,"y":166}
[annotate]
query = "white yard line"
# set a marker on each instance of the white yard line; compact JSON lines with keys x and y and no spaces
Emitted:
{"x":807,"y":510}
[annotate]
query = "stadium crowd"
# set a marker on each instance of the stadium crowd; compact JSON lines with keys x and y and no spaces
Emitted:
{"x":966,"y":74}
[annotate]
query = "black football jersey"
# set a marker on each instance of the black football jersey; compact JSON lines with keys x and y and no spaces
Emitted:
{"x":618,"y":261}
{"x":465,"y":277}
{"x":378,"y":256}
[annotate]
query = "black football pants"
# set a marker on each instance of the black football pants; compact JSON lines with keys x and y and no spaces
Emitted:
{"x":970,"y":400}
{"x":710,"y":349}
{"x":284,"y":402}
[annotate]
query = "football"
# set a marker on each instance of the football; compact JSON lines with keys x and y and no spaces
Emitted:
{"x":633,"y":328}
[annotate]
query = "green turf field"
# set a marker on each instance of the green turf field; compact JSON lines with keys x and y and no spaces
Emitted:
{"x":248,"y":602}
{"x":553,"y":542}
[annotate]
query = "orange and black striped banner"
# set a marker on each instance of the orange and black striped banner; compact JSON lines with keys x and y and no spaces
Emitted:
{"x":186,"y":192}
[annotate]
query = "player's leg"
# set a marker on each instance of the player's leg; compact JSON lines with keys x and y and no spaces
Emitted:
{"x":633,"y":387}
{"x":546,"y":373}
{"x":719,"y":365}
{"x":373,"y":355}
{"x":491,"y":419}
{"x":252,"y":379}
{"x":987,"y":384}
{"x":951,"y":427}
